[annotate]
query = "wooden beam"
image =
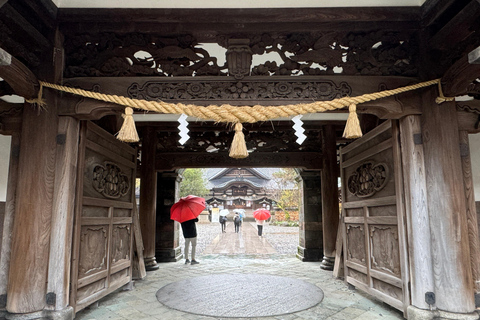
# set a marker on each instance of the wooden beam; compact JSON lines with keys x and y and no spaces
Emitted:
{"x":461,"y":74}
{"x":386,"y":108}
{"x":23,"y":26}
{"x":431,"y":10}
{"x":198,"y":22}
{"x":18,"y":76}
{"x":250,"y":15}
{"x":169,"y":161}
{"x":458,"y":28}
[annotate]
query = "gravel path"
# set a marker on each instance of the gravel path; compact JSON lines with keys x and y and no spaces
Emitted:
{"x":283,"y":239}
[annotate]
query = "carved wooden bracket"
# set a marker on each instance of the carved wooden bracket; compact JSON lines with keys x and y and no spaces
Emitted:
{"x":462,"y":74}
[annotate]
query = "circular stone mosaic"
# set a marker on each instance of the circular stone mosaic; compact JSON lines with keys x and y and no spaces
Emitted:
{"x":240,"y":295}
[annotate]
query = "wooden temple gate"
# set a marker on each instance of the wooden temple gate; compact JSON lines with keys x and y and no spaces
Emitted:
{"x":406,"y":179}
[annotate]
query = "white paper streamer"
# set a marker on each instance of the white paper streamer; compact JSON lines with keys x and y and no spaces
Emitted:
{"x":183,"y":129}
{"x":299,"y":130}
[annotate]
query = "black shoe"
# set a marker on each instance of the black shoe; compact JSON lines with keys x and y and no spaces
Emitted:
{"x":187,"y":261}
{"x":195,"y":262}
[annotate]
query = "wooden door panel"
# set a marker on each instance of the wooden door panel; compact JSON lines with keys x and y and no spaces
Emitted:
{"x":101,"y":261}
{"x":93,"y":251}
{"x":356,"y":251}
{"x":385,"y":256}
{"x":371,"y":216}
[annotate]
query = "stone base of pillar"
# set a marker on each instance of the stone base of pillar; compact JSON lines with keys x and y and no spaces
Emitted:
{"x":327,"y":263}
{"x":169,"y":255}
{"x":65,"y":314}
{"x":151,"y":264}
{"x":414,"y":313}
{"x":305,"y":254}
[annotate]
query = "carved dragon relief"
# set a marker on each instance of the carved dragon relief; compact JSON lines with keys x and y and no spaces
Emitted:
{"x":375,"y":53}
{"x":368,"y":179}
{"x":109,"y":180}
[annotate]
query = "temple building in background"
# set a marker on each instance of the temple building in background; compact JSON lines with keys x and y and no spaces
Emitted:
{"x":241,"y":188}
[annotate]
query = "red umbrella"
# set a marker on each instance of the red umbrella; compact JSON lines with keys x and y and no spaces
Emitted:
{"x":187,"y":208}
{"x":261,"y":214}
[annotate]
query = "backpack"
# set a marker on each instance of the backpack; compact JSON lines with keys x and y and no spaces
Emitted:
{"x":236,"y":219}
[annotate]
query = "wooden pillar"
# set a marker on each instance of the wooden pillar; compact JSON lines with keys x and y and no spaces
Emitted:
{"x":446,"y":207}
{"x":27,"y":284}
{"x":330,"y":205}
{"x":471,"y":209}
{"x":418,"y":221}
{"x":310,"y":225}
{"x":167,"y":241}
{"x":9,"y":218}
{"x":148,"y":193}
{"x":62,"y":216}
{"x":31,"y":232}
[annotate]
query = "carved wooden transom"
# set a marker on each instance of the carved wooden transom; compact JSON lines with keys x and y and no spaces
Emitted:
{"x":317,"y":90}
{"x":368,"y":179}
{"x":258,"y":141}
{"x":109,"y":180}
{"x":385,"y":53}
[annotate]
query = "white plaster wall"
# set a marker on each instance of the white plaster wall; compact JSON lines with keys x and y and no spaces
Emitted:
{"x":474,"y":140}
{"x":5,"y":142}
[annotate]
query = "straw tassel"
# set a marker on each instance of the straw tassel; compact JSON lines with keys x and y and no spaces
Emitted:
{"x":128,"y":132}
{"x":352,"y":128}
{"x":238,"y":149}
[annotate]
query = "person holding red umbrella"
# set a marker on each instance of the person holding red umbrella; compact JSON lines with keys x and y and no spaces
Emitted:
{"x":186,"y":211}
{"x":260,"y":216}
{"x":189,"y":229}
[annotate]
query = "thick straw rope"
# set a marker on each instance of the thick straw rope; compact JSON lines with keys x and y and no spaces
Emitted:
{"x":237,"y":114}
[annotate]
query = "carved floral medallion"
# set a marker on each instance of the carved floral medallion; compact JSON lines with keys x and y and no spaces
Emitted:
{"x":110,"y":181}
{"x":368,"y":179}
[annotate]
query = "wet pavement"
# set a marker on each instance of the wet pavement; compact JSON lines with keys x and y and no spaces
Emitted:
{"x":230,"y":255}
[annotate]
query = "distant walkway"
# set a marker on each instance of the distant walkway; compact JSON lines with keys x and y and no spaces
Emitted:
{"x":246,"y":241}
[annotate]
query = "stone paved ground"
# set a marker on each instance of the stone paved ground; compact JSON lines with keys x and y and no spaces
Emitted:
{"x":283,"y":239}
{"x":339,"y":302}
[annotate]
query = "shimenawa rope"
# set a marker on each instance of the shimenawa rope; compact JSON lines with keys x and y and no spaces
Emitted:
{"x":236,"y":114}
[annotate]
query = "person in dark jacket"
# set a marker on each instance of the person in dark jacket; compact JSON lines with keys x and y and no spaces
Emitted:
{"x":237,"y":221}
{"x":190,"y":234}
{"x":223,"y":222}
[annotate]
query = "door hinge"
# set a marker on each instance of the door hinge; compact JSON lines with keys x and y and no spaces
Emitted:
{"x":51,"y":298}
{"x":430,"y":298}
{"x":417,"y":138}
